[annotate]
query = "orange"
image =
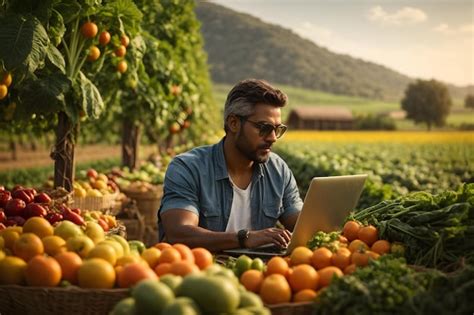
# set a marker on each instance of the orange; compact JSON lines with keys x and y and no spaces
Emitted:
{"x":368,"y":234}
{"x":321,"y":258}
{"x":304,"y":277}
{"x":169,"y":255}
{"x":343,"y":240}
{"x":350,"y":269}
{"x":126,"y":259}
{"x":38,"y":226}
{"x":351,"y":230}
{"x":326,"y":275}
{"x":277,"y":265}
{"x":96,"y":273}
{"x":151,"y":256}
{"x":183,"y":268}
{"x":301,"y":255}
{"x":342,"y":258}
{"x":53,"y":245}
{"x":12,"y":270}
{"x":133,"y":273}
{"x":372,"y":255}
{"x":381,"y":247}
{"x":70,"y":263}
{"x":9,"y":236}
{"x":275,"y":289}
{"x":163,"y":269}
{"x":28,"y":246}
{"x":162,"y":245}
{"x":360,"y":258}
{"x":306,"y":295}
{"x":43,"y":271}
{"x":185,"y":251}
{"x":252,"y":280}
{"x":202,"y":257}
{"x":357,"y":245}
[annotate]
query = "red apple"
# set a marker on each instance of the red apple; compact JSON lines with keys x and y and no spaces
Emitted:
{"x":76,"y":210}
{"x":17,"y":187}
{"x":74,"y":217}
{"x":54,"y":217}
{"x":42,"y":198}
{"x":15,"y":207}
{"x":92,"y":173}
{"x":23,"y":194}
{"x":103,"y":224}
{"x":34,"y":210}
{"x":5,"y":196}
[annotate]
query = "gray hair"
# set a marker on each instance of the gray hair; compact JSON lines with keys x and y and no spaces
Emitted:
{"x":246,"y":94}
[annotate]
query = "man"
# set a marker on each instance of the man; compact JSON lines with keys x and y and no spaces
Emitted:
{"x":231,"y":194}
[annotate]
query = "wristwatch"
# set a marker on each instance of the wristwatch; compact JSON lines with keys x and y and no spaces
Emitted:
{"x":242,"y":236}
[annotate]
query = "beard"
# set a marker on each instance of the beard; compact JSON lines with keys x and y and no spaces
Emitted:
{"x":244,"y":146}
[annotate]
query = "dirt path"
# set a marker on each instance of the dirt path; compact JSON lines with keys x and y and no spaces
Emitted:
{"x":40,"y":157}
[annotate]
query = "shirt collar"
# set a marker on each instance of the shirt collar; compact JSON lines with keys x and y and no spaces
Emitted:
{"x":221,"y":167}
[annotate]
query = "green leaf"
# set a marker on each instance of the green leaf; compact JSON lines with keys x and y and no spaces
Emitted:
{"x":43,"y":96}
{"x":92,"y":101}
{"x":56,"y":58}
{"x":69,"y":10}
{"x":56,"y":29}
{"x":24,"y":42}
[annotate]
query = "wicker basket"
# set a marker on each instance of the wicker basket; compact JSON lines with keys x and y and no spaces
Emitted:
{"x":106,"y":202}
{"x":134,"y":228}
{"x":302,"y":308}
{"x":148,"y":202}
{"x":16,"y":299}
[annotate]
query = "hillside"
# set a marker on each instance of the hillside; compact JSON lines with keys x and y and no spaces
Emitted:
{"x":241,"y":46}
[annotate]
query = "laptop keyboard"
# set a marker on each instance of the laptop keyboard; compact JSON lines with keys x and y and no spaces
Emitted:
{"x":270,"y":249}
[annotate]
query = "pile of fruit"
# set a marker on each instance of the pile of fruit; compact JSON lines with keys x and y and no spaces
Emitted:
{"x":94,"y":184}
{"x":144,"y":179}
{"x":299,"y":277}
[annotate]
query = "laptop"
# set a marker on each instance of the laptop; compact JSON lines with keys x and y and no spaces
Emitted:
{"x":327,"y":203}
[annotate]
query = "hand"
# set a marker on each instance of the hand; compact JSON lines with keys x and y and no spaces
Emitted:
{"x":279,"y":237}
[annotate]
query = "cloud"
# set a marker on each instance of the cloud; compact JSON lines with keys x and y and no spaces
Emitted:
{"x":404,"y":16}
{"x":445,"y":29}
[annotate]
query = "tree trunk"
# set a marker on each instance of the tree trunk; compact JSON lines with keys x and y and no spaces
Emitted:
{"x":63,"y":154}
{"x":130,"y":141}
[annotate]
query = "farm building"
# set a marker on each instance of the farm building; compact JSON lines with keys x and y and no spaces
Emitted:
{"x":321,"y":118}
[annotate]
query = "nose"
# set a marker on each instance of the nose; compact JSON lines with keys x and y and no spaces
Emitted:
{"x":271,"y":137}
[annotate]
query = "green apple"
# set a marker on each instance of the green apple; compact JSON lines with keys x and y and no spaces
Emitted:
{"x":81,"y":245}
{"x":95,"y":232}
{"x":123,"y":242}
{"x":67,"y":229}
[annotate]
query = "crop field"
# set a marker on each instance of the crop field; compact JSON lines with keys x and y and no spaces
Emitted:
{"x":397,"y":162}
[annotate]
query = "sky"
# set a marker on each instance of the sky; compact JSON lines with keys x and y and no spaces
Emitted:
{"x":422,"y":39}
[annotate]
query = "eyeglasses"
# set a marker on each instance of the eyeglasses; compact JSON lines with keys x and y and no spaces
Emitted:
{"x":265,"y":129}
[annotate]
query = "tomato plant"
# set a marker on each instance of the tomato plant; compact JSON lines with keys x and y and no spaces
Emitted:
{"x":94,"y":53}
{"x":3,"y":91}
{"x":122,"y":66}
{"x":125,"y":40}
{"x":104,"y":38}
{"x":120,"y":51}
{"x":89,"y":29}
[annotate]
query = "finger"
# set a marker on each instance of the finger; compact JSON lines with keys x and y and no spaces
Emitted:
{"x":286,"y":235}
{"x":279,"y":240}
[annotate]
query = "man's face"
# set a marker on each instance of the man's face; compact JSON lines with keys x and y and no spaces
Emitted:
{"x":248,"y":140}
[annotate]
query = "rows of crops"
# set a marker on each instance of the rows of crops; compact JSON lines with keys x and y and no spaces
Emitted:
{"x":397,"y":163}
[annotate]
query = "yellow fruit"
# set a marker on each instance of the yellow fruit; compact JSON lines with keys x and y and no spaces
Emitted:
{"x":53,"y":245}
{"x":9,"y":237}
{"x":127,"y":259}
{"x":96,"y":273}
{"x":39,"y":226}
{"x":12,"y":270}
{"x":151,"y":256}
{"x":104,"y":251}
{"x":118,"y":248}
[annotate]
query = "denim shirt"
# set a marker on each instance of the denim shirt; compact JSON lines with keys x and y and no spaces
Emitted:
{"x":198,"y":181}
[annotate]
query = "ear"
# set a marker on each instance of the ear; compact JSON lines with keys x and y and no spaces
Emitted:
{"x":233,"y":122}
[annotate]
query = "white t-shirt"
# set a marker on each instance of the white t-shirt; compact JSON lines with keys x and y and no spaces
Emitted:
{"x":240,"y":213}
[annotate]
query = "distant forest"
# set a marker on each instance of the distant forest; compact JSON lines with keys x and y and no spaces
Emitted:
{"x":241,"y":46}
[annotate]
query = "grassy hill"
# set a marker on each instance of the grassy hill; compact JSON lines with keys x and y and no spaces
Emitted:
{"x":358,"y":105}
{"x":241,"y":46}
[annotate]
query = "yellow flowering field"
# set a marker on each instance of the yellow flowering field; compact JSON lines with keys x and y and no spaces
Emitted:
{"x":380,"y":136}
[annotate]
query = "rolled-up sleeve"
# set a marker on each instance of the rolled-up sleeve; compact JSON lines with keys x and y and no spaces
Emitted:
{"x":292,"y":202}
{"x":179,"y":189}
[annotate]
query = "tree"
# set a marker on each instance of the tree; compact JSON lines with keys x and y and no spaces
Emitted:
{"x":469,"y":101}
{"x":427,"y":102}
{"x":51,"y":49}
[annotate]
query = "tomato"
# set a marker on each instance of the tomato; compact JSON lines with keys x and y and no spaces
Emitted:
{"x":3,"y":91}
{"x":120,"y":51}
{"x":104,"y":38}
{"x":122,"y":66}
{"x":174,"y":128}
{"x":186,"y":124}
{"x":89,"y":30}
{"x":6,"y":79}
{"x":94,"y":53}
{"x":124,"y":40}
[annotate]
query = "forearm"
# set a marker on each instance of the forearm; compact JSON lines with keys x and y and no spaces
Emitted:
{"x":194,"y":236}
